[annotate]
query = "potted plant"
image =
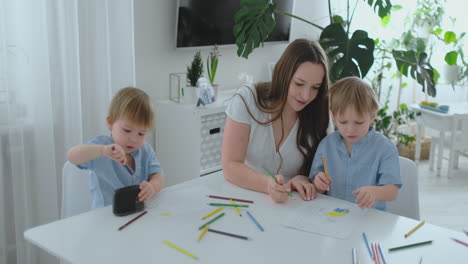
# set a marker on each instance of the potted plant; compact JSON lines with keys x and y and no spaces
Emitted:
{"x":212,"y":66}
{"x":194,"y":72}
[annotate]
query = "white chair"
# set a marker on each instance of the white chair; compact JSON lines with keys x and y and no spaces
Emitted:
{"x":407,"y":202}
{"x":76,"y":197}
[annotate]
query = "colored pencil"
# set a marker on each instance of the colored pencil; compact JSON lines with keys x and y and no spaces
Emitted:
{"x":180,"y":249}
{"x":325,"y":170}
{"x":202,"y":233}
{"x":228,"y":234}
{"x":235,"y":208}
{"x":274,"y":177}
{"x":229,"y":198}
{"x":212,"y":213}
{"x":420,"y":261}
{"x":231,"y":205}
{"x":414,"y":229}
{"x":211,"y":221}
{"x":461,"y":242}
{"x":410,"y":245}
{"x":354,"y":256}
{"x":381,"y":253}
{"x":134,"y":219}
{"x":255,"y":221}
{"x":466,"y":232}
{"x":375,"y":253}
{"x":367,"y":244}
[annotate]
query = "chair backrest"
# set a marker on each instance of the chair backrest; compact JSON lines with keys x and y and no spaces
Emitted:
{"x":407,"y":202}
{"x":76,"y":197}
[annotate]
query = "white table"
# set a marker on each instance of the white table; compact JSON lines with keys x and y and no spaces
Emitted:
{"x":92,"y":237}
{"x":443,"y":122}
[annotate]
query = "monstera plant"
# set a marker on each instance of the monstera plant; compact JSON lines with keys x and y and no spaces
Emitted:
{"x":349,"y":53}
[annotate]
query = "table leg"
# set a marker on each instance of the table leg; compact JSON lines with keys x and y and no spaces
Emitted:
{"x":417,"y":153}
{"x":441,"y":152}
{"x":452,"y":147}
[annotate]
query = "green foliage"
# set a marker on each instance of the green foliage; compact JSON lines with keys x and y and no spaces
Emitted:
{"x":384,"y":123}
{"x":195,"y":70}
{"x":212,"y":64}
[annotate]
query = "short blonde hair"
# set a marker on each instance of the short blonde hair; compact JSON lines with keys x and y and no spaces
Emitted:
{"x":352,"y":91}
{"x":133,"y":104}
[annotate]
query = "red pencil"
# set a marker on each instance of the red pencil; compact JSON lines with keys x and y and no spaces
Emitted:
{"x":227,"y":198}
{"x":461,"y":242}
{"x":131,"y":221}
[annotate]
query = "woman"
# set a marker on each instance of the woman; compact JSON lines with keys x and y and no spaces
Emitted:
{"x":278,"y":125}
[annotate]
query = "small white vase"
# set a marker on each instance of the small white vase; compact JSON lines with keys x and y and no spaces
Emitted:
{"x":190,"y":95}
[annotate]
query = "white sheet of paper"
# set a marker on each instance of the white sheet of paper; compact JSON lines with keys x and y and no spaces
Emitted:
{"x":324,"y":216}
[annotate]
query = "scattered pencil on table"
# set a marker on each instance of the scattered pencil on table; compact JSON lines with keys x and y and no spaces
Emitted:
{"x":274,"y":177}
{"x":354,"y":256}
{"x":466,"y":232}
{"x":231,"y":205}
{"x":211,"y":221}
{"x":134,"y":219}
{"x":375,"y":253}
{"x":410,"y":245}
{"x":255,"y":221}
{"x":381,"y":253}
{"x":235,"y":208}
{"x":202,"y":233}
{"x":420,"y":261}
{"x":460,"y":242}
{"x":229,"y":198}
{"x":180,"y":249}
{"x":212,"y":213}
{"x":325,"y":170}
{"x":367,"y":244}
{"x":227,"y":234}
{"x":414,"y":229}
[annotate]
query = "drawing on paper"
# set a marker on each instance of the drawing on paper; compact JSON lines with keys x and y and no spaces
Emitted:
{"x":338,"y":212}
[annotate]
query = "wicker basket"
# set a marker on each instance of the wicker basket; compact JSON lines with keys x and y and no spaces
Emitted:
{"x":409,"y":151}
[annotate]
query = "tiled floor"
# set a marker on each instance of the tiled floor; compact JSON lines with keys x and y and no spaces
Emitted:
{"x":444,"y":202}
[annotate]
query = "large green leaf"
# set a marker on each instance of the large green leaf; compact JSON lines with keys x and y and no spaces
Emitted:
{"x":347,"y":57}
{"x":384,"y":7}
{"x":417,"y":66}
{"x":253,"y":23}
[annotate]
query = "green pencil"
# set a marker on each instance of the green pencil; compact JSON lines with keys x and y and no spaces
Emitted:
{"x":231,"y":205}
{"x":211,"y":221}
{"x":274,"y":177}
{"x":410,"y":245}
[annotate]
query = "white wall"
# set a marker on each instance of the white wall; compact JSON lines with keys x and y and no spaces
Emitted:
{"x":156,"y":56}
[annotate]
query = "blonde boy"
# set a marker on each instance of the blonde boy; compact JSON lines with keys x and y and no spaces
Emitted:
{"x":122,"y":158}
{"x":363,"y":165}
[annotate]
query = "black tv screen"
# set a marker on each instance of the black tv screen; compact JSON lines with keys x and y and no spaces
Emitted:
{"x":211,"y":22}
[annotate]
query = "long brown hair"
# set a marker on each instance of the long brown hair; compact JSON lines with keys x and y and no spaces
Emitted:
{"x":272,"y":96}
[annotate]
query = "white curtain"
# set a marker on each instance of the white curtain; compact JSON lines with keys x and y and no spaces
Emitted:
{"x":60,"y":64}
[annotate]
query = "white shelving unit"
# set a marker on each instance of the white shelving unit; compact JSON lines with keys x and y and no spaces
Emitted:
{"x":189,"y":138}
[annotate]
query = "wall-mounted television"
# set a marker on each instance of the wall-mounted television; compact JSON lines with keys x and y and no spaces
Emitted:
{"x":211,"y":22}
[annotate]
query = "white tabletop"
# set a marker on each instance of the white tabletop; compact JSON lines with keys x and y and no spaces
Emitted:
{"x":93,"y":237}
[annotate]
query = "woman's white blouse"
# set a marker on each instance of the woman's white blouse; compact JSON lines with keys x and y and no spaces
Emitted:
{"x":261,"y":149}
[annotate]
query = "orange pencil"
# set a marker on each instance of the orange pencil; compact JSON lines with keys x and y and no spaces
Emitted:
{"x":326,"y":170}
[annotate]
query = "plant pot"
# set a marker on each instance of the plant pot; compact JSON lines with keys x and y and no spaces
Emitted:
{"x":409,"y":150}
{"x":190,"y":95}
{"x":450,"y":73}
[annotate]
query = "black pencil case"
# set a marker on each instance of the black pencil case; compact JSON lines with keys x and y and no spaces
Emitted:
{"x":126,"y":201}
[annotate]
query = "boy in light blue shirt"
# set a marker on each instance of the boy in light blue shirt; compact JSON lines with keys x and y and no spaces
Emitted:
{"x":123,"y":158}
{"x":363,"y":165}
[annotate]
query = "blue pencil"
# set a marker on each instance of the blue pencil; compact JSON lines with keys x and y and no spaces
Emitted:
{"x":381,"y":253}
{"x":367,"y":244}
{"x":255,"y":221}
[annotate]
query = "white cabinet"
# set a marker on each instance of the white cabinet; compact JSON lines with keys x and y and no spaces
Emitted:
{"x":188,"y":138}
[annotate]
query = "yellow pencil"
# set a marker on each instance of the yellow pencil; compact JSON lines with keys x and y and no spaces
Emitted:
{"x":212,"y":213}
{"x":325,"y":168}
{"x":180,"y":249}
{"x":235,"y":208}
{"x":202,"y":233}
{"x":414,"y":229}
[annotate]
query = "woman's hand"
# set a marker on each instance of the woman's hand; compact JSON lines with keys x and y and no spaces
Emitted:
{"x":321,"y":182}
{"x":278,"y":190}
{"x":115,"y":152}
{"x":366,"y":196}
{"x":303,"y":186}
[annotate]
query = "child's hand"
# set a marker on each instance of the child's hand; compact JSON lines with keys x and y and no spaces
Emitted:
{"x":366,"y":196}
{"x":115,"y":152}
{"x":147,"y":191}
{"x":278,"y":191}
{"x":303,"y":186}
{"x":321,"y":182}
